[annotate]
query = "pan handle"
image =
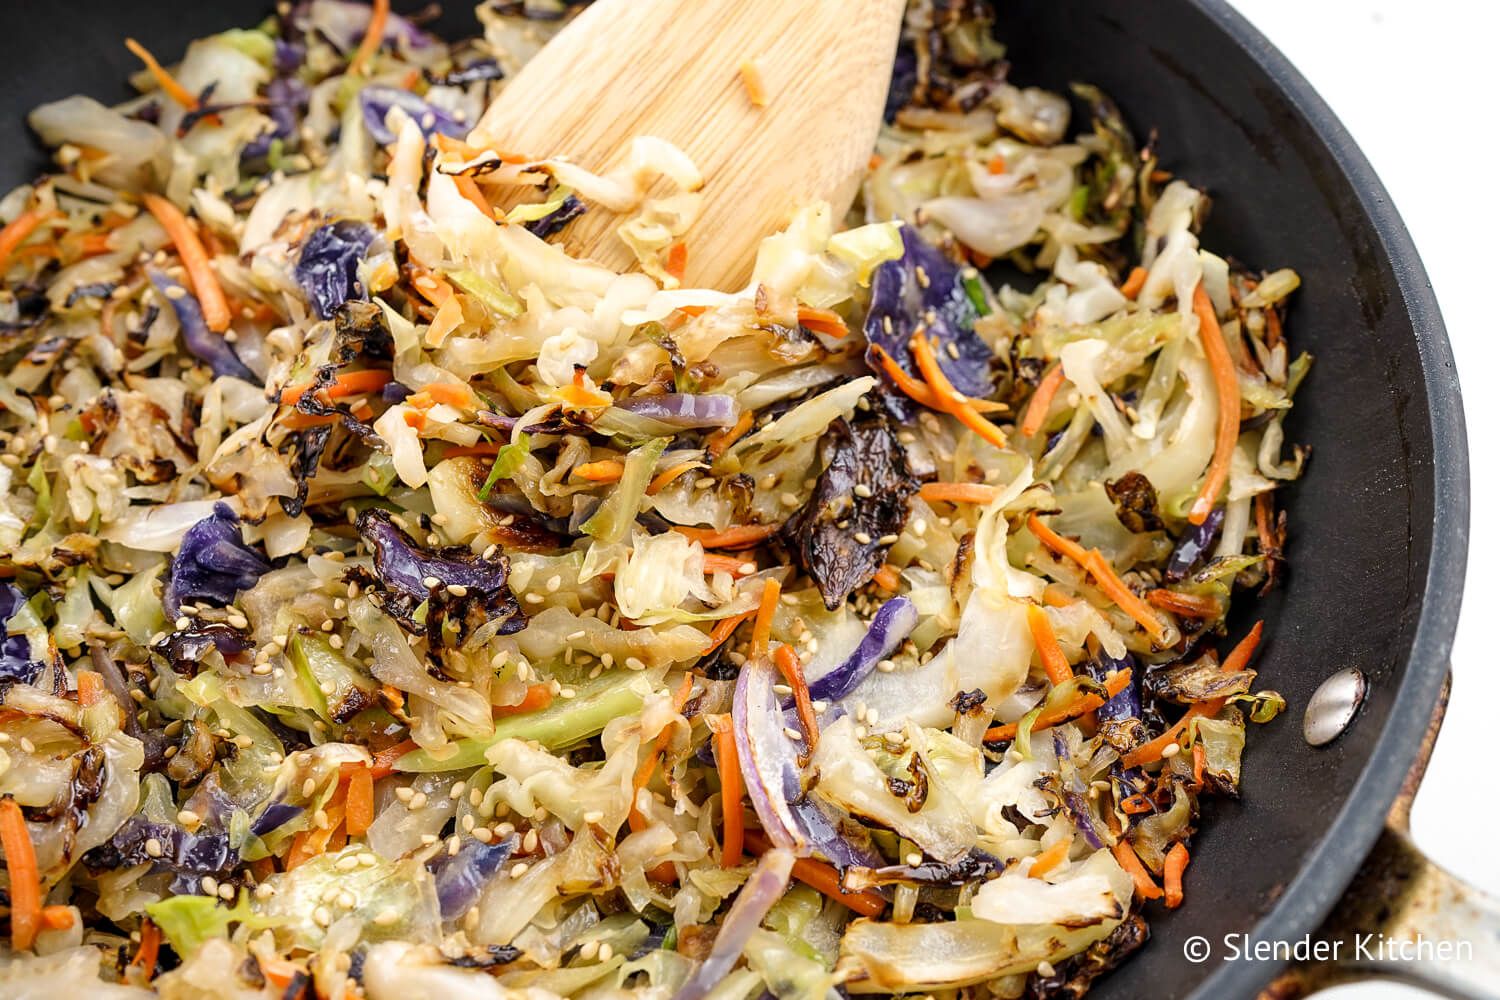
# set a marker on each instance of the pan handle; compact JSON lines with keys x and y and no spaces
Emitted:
{"x":1405,"y":918}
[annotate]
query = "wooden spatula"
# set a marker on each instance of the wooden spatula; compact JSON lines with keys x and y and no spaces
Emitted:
{"x":674,"y":69}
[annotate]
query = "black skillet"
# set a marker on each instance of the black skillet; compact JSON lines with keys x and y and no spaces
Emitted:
{"x":1379,"y":526}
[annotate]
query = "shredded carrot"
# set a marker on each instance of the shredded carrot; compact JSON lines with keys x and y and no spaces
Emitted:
{"x":1051,"y":858}
{"x":875,"y":161}
{"x":1179,"y":603}
{"x":310,"y":843}
{"x":1047,"y":647}
{"x":1144,"y":886}
{"x":537,"y":697}
{"x":755,"y":84}
{"x":1151,"y":751}
{"x":384,"y":762}
{"x":57,"y":918}
{"x":887,"y":578}
{"x":719,"y":441}
{"x":608,"y":470}
{"x":1041,"y":400}
{"x":997,"y":164}
{"x":919,"y":390}
{"x":458,"y":396}
{"x":824,"y":321}
{"x":1113,"y":685}
{"x":952,"y":400}
{"x":738,"y":536}
{"x":676,"y":264}
{"x":146,"y":954}
{"x":760,"y":638}
{"x":723,"y":629}
{"x":664,"y":478}
{"x":1200,"y":761}
{"x":1054,"y":597}
{"x":1177,"y":862}
{"x":733,"y":565}
{"x":90,"y":688}
{"x":195,"y":259}
{"x":823,"y":878}
{"x":1134,"y":805}
{"x":25,"y":879}
{"x":1227,"y":388}
{"x":278,"y":972}
{"x":469,"y":188}
{"x":164,"y":80}
{"x":19,"y":229}
{"x":1134,"y":283}
{"x":731,"y":784}
{"x":959,"y":493}
{"x":359,"y":802}
{"x":648,"y":768}
{"x":347,"y":384}
{"x":380,"y":10}
{"x":791,"y":671}
{"x":1057,"y":543}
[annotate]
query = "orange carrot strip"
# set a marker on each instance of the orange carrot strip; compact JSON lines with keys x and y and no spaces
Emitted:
{"x":538,"y":697}
{"x":824,"y":321}
{"x":380,"y":10}
{"x":1134,"y":805}
{"x":1051,"y":858}
{"x":1054,"y":597}
{"x":823,"y":878}
{"x":1047,"y":647}
{"x":723,"y":629}
{"x":458,"y":396}
{"x":719,"y":441}
{"x":953,"y":401}
{"x":1057,"y":543}
{"x":606,"y":470}
{"x":791,"y":671}
{"x":1200,"y":760}
{"x":959,"y":493}
{"x":19,"y":229}
{"x":737,"y":536}
{"x":1113,"y":685}
{"x":57,"y":918}
{"x":664,"y":478}
{"x":90,"y":688}
{"x":164,"y":80}
{"x":733,"y":565}
{"x":996,"y":165}
{"x":731,"y":784}
{"x":755,"y":84}
{"x":469,"y":188}
{"x":888,"y":578}
{"x":760,"y":638}
{"x":195,"y":259}
{"x":25,"y":879}
{"x":1177,"y":862}
{"x":1134,"y":283}
{"x":347,"y":384}
{"x":648,"y":765}
{"x":359,"y":802}
{"x":1041,"y":400}
{"x":676,"y":264}
{"x":384,"y":762}
{"x":1151,"y":751}
{"x":1227,"y":387}
{"x":1144,"y":886}
{"x":1188,"y":605}
{"x":919,"y":391}
{"x":1114,"y":588}
{"x":146,"y":954}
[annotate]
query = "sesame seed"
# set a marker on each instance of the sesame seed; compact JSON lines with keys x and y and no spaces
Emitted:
{"x":862,"y":537}
{"x":568,"y":693}
{"x":782,"y":688}
{"x":387,"y":917}
{"x":913,"y":859}
{"x":418,"y":801}
{"x":888,"y":539}
{"x":265,"y":891}
{"x":322,"y":917}
{"x":210,"y":885}
{"x":188,"y":818}
{"x":529,"y":842}
{"x":873,"y":716}
{"x":520,"y":869}
{"x":308,"y":787}
{"x":27,"y":745}
{"x":553,"y":582}
{"x":791,"y":733}
{"x":347,"y":864}
{"x":606,"y":952}
{"x":861,"y":490}
{"x":1045,"y":969}
{"x":789,"y":500}
{"x":588,"y":950}
{"x":593,"y":816}
{"x":226,"y":891}
{"x":346,"y":900}
{"x":428,"y":839}
{"x":1171,"y":750}
{"x":458,"y":590}
{"x":533,"y":598}
{"x":430,"y":582}
{"x":153,"y":847}
{"x":483,"y":834}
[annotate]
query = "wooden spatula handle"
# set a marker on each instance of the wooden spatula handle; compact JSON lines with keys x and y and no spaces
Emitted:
{"x":672,"y":69}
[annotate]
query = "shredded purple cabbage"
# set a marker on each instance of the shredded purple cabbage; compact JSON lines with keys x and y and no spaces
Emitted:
{"x":16,"y":664}
{"x":201,"y":342}
{"x":935,"y":301}
{"x":213,"y":564}
{"x":376,"y":101}
{"x":461,"y":878}
{"x":684,"y":409}
{"x":553,"y":222}
{"x":1193,"y":546}
{"x":327,"y":269}
{"x":888,"y":629}
{"x":1126,"y":704}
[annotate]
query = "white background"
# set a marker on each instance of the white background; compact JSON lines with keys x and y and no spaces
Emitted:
{"x":1416,"y":84}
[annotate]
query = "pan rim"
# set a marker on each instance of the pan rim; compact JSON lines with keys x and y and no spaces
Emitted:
{"x":1331,"y":865}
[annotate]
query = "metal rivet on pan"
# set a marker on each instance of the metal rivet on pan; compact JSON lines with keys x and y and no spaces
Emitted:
{"x":1333,"y":706}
